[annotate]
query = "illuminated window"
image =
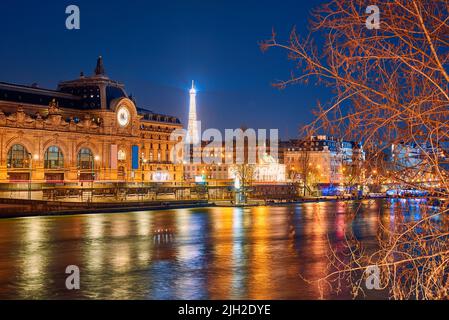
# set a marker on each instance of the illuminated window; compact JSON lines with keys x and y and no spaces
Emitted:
{"x":85,"y":159}
{"x":53,"y":158}
{"x":18,"y":157}
{"x":121,"y":155}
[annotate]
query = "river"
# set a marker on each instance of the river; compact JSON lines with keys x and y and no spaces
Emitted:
{"x":202,"y":253}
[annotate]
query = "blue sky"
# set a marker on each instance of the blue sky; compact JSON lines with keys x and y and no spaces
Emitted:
{"x":157,"y":47}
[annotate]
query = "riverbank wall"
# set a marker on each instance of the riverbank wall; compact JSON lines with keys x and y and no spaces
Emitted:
{"x":15,"y":208}
{"x":12,"y":208}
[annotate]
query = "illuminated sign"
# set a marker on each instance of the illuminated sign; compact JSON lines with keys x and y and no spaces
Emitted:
{"x":161,"y":176}
{"x":200,"y":179}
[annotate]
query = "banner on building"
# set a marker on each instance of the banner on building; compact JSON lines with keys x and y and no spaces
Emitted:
{"x":114,"y":153}
{"x":135,"y":157}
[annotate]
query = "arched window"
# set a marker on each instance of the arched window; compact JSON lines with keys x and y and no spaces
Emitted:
{"x":18,"y":157}
{"x":121,"y":155}
{"x":85,"y":159}
{"x":53,"y":158}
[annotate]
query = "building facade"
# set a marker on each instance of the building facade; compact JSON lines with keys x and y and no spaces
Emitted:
{"x":223,"y":165}
{"x":322,"y":160}
{"x":88,"y":129}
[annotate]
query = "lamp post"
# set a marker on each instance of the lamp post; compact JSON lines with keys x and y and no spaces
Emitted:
{"x":30,"y":173}
{"x":92,"y":182}
{"x":142,"y":168}
{"x":96,"y":159}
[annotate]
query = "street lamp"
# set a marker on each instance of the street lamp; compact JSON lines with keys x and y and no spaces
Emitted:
{"x":30,"y":174}
{"x":143,"y":161}
{"x":96,"y":159}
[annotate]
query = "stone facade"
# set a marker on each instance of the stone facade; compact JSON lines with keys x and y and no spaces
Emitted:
{"x":324,"y":160}
{"x":88,"y":129}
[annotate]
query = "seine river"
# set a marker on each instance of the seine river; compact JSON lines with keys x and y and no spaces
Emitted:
{"x":202,"y":253}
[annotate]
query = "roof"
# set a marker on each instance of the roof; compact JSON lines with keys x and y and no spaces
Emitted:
{"x":38,"y":96}
{"x":32,"y":89}
{"x":83,"y":94}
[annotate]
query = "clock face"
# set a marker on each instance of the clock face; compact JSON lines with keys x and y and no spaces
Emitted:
{"x":123,"y":116}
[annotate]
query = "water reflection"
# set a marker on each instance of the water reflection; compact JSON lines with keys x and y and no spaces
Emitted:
{"x":238,"y":254}
{"x":33,"y":257}
{"x":207,"y":253}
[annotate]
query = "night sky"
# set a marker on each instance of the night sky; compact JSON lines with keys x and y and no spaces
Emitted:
{"x":157,"y":47}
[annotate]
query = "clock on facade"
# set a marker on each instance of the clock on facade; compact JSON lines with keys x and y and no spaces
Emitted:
{"x":123,"y":116}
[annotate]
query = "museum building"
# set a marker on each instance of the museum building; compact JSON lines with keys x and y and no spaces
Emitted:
{"x":88,"y":129}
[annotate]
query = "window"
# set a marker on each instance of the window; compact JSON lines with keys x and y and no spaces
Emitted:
{"x":18,"y":157}
{"x":85,"y":159}
{"x":121,"y":155}
{"x":53,"y":158}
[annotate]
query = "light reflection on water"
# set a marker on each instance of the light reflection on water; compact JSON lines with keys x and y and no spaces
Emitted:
{"x":203,"y":253}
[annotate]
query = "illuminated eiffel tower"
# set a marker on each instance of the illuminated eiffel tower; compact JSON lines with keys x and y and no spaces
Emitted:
{"x":193,"y":136}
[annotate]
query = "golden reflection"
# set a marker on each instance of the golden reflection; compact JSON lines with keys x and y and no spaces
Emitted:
{"x":260,"y":267}
{"x":190,"y":254}
{"x":164,"y":234}
{"x":144,"y":229}
{"x":143,"y":253}
{"x":119,"y":265}
{"x":95,"y":226}
{"x":121,"y":257}
{"x":340,"y":226}
{"x":112,"y":252}
{"x":93,"y":251}
{"x":34,"y":258}
{"x":315,"y":246}
{"x":237,"y":221}
{"x":183,"y":227}
{"x":238,"y":254}
{"x":222,"y":231}
{"x":182,"y":222}
{"x":94,"y":257}
{"x":143,"y":223}
{"x":120,"y":226}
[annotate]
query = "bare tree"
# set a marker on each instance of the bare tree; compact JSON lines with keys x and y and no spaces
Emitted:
{"x":390,"y":91}
{"x":304,"y":165}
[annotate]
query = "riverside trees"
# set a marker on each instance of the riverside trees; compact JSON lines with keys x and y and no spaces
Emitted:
{"x":391,"y":87}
